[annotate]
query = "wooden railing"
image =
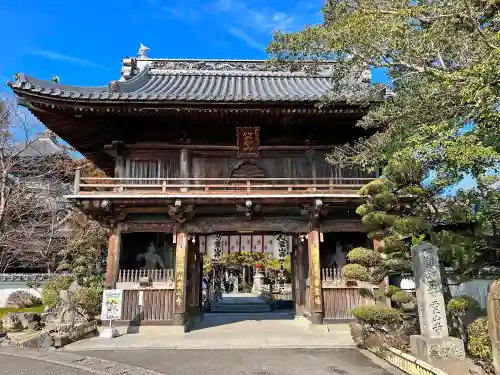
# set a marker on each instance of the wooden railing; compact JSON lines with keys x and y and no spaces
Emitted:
{"x":155,"y":279}
{"x":332,"y":275}
{"x":214,"y":186}
{"x":134,"y":276}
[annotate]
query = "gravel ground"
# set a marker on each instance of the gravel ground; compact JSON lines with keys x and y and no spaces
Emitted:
{"x":248,"y":362}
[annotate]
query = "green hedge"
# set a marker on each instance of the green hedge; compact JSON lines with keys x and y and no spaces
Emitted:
{"x":377,"y":315}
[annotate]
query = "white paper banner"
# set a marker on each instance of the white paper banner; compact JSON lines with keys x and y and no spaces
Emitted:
{"x":277,"y":246}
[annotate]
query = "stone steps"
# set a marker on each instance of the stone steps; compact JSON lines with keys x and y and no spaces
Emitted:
{"x":240,"y":308}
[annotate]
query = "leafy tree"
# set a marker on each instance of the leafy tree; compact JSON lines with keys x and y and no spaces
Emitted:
{"x":84,"y":246}
{"x":438,"y":123}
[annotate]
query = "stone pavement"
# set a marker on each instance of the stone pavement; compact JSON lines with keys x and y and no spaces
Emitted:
{"x":27,"y":361}
{"x":230,"y":331}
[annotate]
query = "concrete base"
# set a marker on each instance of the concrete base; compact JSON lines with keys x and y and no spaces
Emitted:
{"x":427,"y":348}
{"x":148,"y":330}
{"x":258,"y":281}
{"x":109,"y":333}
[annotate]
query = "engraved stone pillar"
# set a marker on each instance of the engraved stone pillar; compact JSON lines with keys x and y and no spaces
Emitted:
{"x":494,"y":322}
{"x":180,"y":278}
{"x":315,"y":274}
{"x":433,"y":340}
{"x":185,"y":166}
{"x":113,"y":259}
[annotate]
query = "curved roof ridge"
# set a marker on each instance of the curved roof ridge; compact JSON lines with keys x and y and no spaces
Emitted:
{"x":33,"y":83}
{"x":234,"y":73}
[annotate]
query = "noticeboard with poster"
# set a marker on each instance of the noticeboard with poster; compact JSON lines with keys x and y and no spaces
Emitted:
{"x":112,"y":301}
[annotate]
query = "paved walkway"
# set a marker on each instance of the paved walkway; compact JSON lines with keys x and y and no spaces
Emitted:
{"x":15,"y":361}
{"x":194,"y":362}
{"x":230,"y":331}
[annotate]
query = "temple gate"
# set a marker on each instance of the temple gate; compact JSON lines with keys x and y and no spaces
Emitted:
{"x":196,"y":170}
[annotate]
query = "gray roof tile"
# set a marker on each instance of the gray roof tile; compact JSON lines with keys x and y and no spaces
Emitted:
{"x":191,"y":80}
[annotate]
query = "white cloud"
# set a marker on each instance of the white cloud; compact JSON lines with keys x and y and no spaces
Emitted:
{"x":56,"y":56}
{"x":263,"y":20}
{"x":247,"y":38}
{"x":182,"y":13}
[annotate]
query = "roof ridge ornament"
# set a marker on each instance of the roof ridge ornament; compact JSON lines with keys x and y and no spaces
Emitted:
{"x":142,"y":51}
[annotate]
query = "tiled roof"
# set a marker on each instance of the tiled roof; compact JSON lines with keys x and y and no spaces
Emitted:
{"x":152,"y":80}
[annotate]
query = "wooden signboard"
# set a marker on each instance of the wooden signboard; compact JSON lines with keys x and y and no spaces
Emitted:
{"x":248,"y":140}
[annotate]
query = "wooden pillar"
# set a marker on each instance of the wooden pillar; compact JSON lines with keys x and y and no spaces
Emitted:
{"x":311,"y":161}
{"x":294,"y":275}
{"x":301,"y":258}
{"x":181,"y":264}
{"x":315,"y":274}
{"x":113,"y":260}
{"x":185,"y":165}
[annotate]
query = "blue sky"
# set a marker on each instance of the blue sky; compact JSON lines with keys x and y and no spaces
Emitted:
{"x":83,"y":42}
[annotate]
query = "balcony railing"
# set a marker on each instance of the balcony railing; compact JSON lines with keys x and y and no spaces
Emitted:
{"x":215,"y":186}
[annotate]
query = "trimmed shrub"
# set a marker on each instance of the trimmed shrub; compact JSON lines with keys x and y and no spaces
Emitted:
{"x":378,"y":219}
{"x":385,"y":201}
{"x":21,"y":299}
{"x":391,"y":289}
{"x":402,"y":297}
{"x":365,"y":257}
{"x":408,"y":225}
{"x":89,"y":297}
{"x":378,"y":315}
{"x":52,"y":288}
{"x":355,"y":272}
{"x":377,"y":186}
{"x":479,"y":344}
{"x":461,"y":305}
{"x":364,"y":209}
{"x":392,"y":244}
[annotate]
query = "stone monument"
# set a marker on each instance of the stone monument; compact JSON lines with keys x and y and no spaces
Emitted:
{"x":433,"y":340}
{"x":494,"y":322}
{"x":258,"y":281}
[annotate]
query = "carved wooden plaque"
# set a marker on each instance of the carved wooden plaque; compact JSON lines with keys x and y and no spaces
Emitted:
{"x":248,"y":140}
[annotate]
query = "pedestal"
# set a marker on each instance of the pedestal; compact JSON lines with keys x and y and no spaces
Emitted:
{"x":258,"y":281}
{"x":109,"y":333}
{"x":427,"y":348}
